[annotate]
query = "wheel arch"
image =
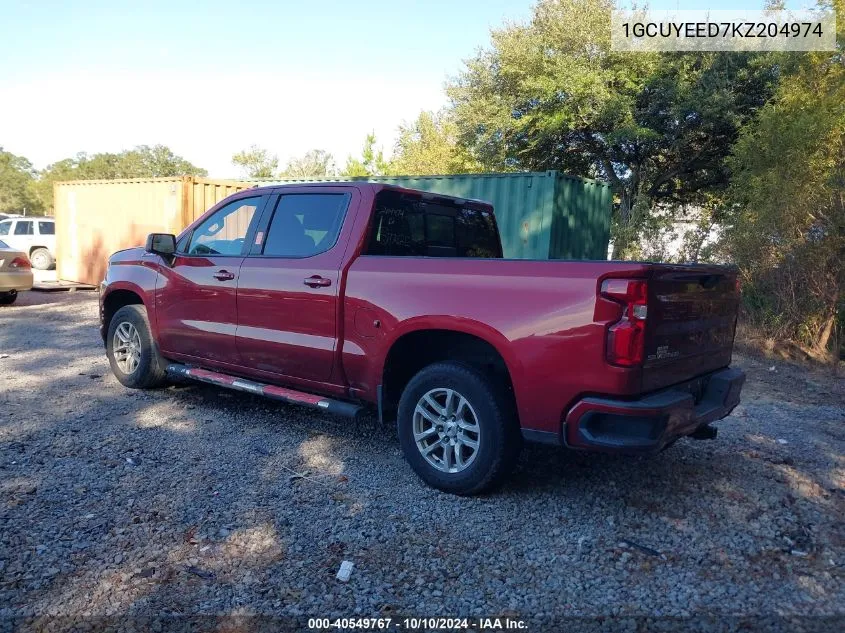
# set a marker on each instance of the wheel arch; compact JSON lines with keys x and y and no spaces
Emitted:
{"x":418,"y":345}
{"x":118,"y":298}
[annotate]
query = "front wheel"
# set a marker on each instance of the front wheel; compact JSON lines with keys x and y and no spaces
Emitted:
{"x":132,"y":352}
{"x":457,"y":429}
{"x":8,"y":298}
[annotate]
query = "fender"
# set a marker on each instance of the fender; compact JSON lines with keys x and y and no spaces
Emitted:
{"x":458,"y":324}
{"x":142,"y":284}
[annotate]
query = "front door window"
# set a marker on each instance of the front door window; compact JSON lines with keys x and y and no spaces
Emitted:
{"x":224,"y":232}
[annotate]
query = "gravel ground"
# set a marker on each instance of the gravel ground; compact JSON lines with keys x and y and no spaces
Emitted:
{"x":186,"y":500}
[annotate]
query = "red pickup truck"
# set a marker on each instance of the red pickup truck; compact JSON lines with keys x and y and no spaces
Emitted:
{"x":342,"y":296}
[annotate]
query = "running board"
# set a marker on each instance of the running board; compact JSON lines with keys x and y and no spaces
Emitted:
{"x":338,"y":407}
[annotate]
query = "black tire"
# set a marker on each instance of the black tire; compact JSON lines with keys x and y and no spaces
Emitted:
{"x":8,"y":298}
{"x":41,"y":259}
{"x":150,"y":372}
{"x":499,"y":440}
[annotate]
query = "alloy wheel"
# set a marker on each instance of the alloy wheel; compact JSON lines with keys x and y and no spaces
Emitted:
{"x":127,"y":347}
{"x":446,"y":430}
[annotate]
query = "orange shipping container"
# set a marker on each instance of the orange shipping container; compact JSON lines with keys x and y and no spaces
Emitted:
{"x":95,"y":218}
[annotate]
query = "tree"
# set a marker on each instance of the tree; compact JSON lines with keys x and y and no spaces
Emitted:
{"x":371,"y":163}
{"x":787,"y":228}
{"x":142,"y":161}
{"x":157,"y":161}
{"x":314,"y":163}
{"x":256,"y":162}
{"x":17,"y":185}
{"x":429,"y":146}
{"x":550,"y":94}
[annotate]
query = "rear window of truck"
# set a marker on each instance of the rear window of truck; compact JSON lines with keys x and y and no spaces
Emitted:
{"x":409,"y":226}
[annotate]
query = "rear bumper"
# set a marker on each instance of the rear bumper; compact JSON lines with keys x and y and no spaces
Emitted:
{"x":654,"y":421}
{"x":15,"y":281}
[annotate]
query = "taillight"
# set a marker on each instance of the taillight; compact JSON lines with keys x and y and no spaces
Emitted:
{"x":20,"y":262}
{"x":626,"y":337}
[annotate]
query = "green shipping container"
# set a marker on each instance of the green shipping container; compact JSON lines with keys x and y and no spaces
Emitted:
{"x":541,"y":215}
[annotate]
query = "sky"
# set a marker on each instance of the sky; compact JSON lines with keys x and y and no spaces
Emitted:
{"x":209,"y":78}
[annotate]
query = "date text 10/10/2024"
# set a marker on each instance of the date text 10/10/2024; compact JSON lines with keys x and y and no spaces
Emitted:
{"x":419,"y":624}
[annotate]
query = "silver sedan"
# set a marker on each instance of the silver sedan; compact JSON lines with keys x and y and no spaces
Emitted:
{"x":15,"y":273}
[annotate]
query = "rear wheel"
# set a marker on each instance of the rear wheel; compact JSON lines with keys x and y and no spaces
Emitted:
{"x":132,"y":352}
{"x":8,"y":298}
{"x":457,"y":429}
{"x":41,"y":259}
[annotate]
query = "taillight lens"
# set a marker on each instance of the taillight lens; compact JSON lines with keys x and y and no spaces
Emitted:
{"x":20,"y":262}
{"x":626,"y":337}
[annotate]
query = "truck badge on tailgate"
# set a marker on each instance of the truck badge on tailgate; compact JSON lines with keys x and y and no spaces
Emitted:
{"x":663,"y":352}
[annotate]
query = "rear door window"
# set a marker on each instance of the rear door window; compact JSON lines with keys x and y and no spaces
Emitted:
{"x":305,"y":224}
{"x":24,"y":228}
{"x":408,"y":226}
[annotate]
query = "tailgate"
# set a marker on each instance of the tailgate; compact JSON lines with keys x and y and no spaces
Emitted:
{"x":691,"y":322}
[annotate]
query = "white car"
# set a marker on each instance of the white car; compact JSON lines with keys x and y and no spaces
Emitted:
{"x":34,"y":236}
{"x":15,"y":273}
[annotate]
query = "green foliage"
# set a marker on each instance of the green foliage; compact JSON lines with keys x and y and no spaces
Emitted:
{"x":787,"y":228}
{"x":429,"y":146}
{"x":143,"y":161}
{"x":676,"y":234}
{"x":694,"y":247}
{"x":256,"y":162}
{"x":550,"y":94}
{"x":314,"y":163}
{"x":155,"y":162}
{"x":371,"y":162}
{"x":17,"y":185}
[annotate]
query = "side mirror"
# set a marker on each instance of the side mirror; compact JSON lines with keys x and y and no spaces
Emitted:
{"x":163,"y":244}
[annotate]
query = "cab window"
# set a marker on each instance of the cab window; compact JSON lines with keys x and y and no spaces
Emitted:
{"x":409,"y":226}
{"x":24,"y":228}
{"x":224,"y":232}
{"x":305,"y":224}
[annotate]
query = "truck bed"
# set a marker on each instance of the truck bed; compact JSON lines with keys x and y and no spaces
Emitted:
{"x":545,"y":319}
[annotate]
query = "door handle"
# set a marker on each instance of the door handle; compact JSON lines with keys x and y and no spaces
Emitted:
{"x":315,"y":281}
{"x":224,"y":275}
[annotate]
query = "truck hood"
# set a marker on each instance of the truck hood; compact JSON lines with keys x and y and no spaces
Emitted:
{"x":127,"y":254}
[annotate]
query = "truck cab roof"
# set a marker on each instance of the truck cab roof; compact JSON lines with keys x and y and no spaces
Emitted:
{"x":373,"y":187}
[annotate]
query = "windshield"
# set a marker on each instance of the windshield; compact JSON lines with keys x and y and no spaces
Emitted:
{"x":3,"y":244}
